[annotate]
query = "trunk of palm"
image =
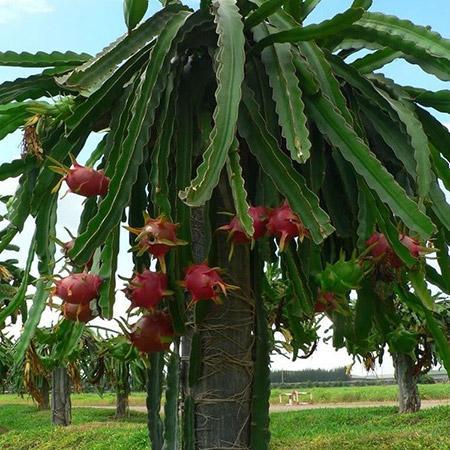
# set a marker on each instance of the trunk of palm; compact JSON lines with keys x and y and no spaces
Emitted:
{"x":409,"y":399}
{"x":122,"y":405}
{"x":61,"y":404}
{"x":44,"y":398}
{"x":122,"y":391}
{"x":218,"y":385}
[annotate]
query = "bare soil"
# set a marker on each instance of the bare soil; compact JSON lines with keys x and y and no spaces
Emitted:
{"x":283,"y":408}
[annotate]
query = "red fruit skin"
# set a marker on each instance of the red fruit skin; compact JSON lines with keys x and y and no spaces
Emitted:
{"x":78,"y":288}
{"x":77,"y":313}
{"x":87,"y":182}
{"x":149,"y":331}
{"x":285,"y":224}
{"x":156,"y":229}
{"x":203,"y":282}
{"x":380,"y":245}
{"x":411,"y":244}
{"x":236,"y":232}
{"x":259,"y":215}
{"x":381,"y":248}
{"x":326,"y":302}
{"x":146,"y":289}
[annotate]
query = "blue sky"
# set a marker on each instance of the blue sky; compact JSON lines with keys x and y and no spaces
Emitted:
{"x":89,"y":25}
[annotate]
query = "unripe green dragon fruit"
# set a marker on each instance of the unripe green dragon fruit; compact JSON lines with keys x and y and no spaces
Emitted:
{"x":341,"y":277}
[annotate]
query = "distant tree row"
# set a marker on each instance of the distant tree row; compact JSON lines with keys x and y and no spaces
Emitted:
{"x":299,"y":376}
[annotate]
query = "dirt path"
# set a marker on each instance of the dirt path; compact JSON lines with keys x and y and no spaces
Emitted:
{"x":284,"y":408}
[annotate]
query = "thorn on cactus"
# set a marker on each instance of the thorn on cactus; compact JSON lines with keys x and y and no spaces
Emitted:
{"x":205,"y":283}
{"x":286,"y":225}
{"x":157,"y":237}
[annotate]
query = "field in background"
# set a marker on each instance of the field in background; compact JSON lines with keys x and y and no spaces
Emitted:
{"x":363,"y":393}
{"x":23,"y":427}
{"x":319,"y":395}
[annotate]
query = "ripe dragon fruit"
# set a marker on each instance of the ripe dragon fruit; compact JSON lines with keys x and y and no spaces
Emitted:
{"x":77,"y":313}
{"x":157,"y":237}
{"x":414,"y":247}
{"x":87,"y":182}
{"x":204,"y":283}
{"x":78,"y":288}
{"x":285,"y":225}
{"x":82,"y":180}
{"x":381,"y":250}
{"x":147,"y":289}
{"x":152,"y":332}
{"x":259,"y":215}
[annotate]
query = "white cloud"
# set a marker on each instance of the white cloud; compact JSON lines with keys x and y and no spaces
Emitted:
{"x":11,"y":10}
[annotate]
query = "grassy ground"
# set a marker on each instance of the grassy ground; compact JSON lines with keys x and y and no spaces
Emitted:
{"x":372,"y":428}
{"x":319,"y":395}
{"x":368,"y":428}
{"x":365,"y":393}
{"x":92,"y":429}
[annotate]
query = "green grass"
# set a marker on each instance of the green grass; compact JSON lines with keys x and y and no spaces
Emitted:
{"x":361,"y":428}
{"x":319,"y":395}
{"x":92,"y":429}
{"x":364,"y":428}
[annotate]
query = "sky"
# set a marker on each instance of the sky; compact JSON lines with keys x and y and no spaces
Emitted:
{"x":88,"y":26}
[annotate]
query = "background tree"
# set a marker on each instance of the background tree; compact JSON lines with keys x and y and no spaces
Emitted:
{"x":414,"y":353}
{"x":241,"y":104}
{"x":370,"y":330}
{"x":313,"y":376}
{"x":124,"y":368}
